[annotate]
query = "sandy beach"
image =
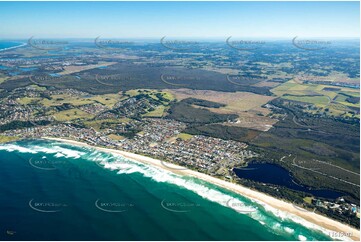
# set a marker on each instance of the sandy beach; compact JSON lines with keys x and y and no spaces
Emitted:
{"x":322,"y":221}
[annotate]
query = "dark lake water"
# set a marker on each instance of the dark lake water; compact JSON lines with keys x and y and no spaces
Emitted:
{"x":277,"y":175}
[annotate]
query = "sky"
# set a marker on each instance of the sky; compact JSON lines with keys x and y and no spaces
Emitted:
{"x":179,"y":19}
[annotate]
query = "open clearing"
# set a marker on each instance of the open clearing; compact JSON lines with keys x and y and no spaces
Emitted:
{"x":74,"y":69}
{"x":71,"y":114}
{"x":108,"y":100}
{"x":248,"y":106}
{"x":236,"y":102}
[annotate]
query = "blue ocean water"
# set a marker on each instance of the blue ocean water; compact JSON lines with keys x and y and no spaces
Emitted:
{"x":9,"y":44}
{"x":56,"y":191}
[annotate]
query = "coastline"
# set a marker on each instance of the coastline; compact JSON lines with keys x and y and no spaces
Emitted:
{"x":335,"y":228}
{"x":13,"y":47}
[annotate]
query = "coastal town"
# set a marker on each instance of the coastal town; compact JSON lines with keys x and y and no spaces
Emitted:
{"x":155,"y":137}
{"x":159,"y":138}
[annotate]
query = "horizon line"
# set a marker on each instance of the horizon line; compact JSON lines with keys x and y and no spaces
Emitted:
{"x":184,"y":37}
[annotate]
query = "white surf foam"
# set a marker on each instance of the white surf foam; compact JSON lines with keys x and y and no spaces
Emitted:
{"x":34,"y":149}
{"x":213,"y":195}
{"x":14,"y":147}
{"x":125,"y":166}
{"x":302,"y":238}
{"x":59,"y":151}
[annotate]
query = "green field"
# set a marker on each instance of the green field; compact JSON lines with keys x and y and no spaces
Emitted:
{"x":158,"y":112}
{"x":331,"y":101}
{"x":185,"y":136}
{"x":71,"y":114}
{"x":152,"y":93}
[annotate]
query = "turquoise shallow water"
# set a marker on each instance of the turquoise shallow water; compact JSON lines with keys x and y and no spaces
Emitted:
{"x":55,"y":191}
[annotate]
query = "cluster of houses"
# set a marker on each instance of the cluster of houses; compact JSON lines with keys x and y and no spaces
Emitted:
{"x":162,"y":138}
{"x":339,"y":206}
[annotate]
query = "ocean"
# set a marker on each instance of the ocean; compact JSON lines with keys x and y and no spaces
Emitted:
{"x":5,"y":45}
{"x":57,"y":191}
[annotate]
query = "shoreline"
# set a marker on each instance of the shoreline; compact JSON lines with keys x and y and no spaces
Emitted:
{"x":336,"y":228}
{"x":13,"y":47}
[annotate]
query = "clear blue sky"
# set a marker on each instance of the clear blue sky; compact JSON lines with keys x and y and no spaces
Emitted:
{"x":179,"y":19}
